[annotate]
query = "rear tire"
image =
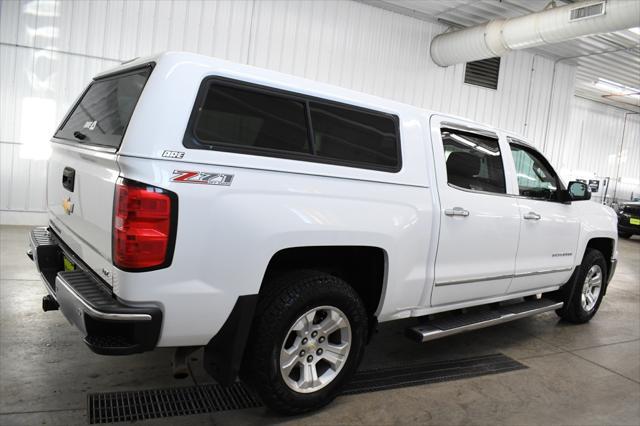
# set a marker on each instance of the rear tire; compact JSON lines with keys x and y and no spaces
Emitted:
{"x":625,"y":235}
{"x":584,"y":301}
{"x":307,"y":340}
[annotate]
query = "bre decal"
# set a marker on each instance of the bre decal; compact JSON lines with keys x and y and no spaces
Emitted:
{"x":172,"y":154}
{"x":204,"y":178}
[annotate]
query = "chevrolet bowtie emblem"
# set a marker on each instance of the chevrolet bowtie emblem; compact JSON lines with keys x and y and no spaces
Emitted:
{"x":67,"y":205}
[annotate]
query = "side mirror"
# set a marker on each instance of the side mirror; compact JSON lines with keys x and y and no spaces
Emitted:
{"x":579,"y":191}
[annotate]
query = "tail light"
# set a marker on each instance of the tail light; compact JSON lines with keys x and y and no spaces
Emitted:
{"x":144,"y":226}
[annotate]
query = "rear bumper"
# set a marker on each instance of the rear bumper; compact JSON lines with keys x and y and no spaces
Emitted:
{"x":109,"y":325}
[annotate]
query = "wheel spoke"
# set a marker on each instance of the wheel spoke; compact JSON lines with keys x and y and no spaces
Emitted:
{"x":336,"y":354}
{"x":305,"y":323}
{"x":331,"y":323}
{"x":287,"y":363}
{"x":309,"y":377}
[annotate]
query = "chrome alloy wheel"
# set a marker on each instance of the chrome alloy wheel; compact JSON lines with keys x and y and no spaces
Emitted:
{"x":591,"y":288}
{"x":315,"y":349}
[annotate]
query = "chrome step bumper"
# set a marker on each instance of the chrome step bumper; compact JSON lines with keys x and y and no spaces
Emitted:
{"x":110,"y":326}
{"x":444,"y":327}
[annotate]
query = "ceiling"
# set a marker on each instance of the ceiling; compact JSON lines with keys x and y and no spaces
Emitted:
{"x":611,"y":56}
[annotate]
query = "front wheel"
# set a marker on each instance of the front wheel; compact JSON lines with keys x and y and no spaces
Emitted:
{"x":307,"y":341}
{"x":584,"y":301}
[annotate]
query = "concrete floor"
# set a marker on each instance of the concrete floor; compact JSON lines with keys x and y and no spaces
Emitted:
{"x":587,"y":374}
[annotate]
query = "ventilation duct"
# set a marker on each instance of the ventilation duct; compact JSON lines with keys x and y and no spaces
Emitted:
{"x":549,"y":26}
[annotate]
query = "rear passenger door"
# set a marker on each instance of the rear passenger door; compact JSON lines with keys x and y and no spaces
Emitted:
{"x":479,"y":222}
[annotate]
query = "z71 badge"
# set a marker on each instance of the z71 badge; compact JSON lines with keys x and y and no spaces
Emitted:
{"x":204,"y":178}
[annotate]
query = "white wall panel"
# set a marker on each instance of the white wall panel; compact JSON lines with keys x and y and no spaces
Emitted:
{"x":596,"y":148}
{"x":50,"y":49}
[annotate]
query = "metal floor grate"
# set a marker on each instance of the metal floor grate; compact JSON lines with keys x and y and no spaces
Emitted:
{"x":111,"y":407}
{"x":128,"y":406}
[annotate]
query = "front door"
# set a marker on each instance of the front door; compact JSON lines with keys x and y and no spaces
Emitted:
{"x":549,"y":229}
{"x":479,"y":223}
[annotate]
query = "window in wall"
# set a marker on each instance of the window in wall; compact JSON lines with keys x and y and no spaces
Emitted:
{"x":473,"y":161}
{"x":354,"y":136}
{"x":243,"y":118}
{"x":536,"y":178}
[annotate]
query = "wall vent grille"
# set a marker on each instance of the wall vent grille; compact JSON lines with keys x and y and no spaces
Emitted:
{"x":483,"y":73}
{"x":585,"y":12}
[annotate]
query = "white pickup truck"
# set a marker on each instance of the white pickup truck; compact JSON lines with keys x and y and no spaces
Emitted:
{"x":274,"y":221}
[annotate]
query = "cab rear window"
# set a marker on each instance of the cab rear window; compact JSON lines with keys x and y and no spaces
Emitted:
{"x":104,"y":110}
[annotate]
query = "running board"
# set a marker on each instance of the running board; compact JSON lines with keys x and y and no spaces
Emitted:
{"x":472,"y":321}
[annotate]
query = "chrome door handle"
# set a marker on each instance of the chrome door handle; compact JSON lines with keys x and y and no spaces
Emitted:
{"x":456,"y":211}
{"x":532,"y":216}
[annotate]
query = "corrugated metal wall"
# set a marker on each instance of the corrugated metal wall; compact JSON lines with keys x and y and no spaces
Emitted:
{"x":49,"y":49}
{"x":604,"y":141}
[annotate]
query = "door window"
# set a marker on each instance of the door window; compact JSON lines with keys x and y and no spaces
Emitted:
{"x":536,"y":178}
{"x":473,"y":161}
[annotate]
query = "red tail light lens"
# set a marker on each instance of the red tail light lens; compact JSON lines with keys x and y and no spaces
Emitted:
{"x":144,"y":219}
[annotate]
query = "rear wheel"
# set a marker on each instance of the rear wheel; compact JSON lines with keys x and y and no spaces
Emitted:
{"x":307,"y":340}
{"x":625,"y":235}
{"x":584,"y":301}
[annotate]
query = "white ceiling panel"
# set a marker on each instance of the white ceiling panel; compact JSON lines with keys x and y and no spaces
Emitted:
{"x":612,"y":56}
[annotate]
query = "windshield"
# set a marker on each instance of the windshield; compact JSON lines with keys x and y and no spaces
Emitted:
{"x":103,"y":113}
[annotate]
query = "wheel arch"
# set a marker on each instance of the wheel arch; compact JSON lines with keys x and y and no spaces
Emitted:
{"x":606,"y":246}
{"x":363,"y":267}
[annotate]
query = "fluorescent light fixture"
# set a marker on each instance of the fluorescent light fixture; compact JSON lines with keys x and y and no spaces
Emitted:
{"x":635,"y":30}
{"x":617,"y":88}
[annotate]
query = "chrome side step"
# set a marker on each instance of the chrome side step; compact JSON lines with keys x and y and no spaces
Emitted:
{"x":465,"y":322}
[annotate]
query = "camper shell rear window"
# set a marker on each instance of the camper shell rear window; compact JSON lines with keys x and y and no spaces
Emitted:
{"x":102,"y":114}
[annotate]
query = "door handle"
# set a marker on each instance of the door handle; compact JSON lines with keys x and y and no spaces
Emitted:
{"x":68,"y":178}
{"x":457,"y":211}
{"x":532,"y":216}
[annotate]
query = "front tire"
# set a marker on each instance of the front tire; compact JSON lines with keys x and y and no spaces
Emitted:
{"x":307,"y":340}
{"x":584,"y":301}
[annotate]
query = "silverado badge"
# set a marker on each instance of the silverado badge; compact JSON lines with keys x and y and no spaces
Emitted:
{"x":67,"y":205}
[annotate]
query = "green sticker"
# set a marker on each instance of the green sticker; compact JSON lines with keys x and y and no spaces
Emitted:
{"x":68,"y":266}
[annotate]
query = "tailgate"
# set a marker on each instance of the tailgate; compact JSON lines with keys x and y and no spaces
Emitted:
{"x":83,"y":166}
{"x":80,"y":192}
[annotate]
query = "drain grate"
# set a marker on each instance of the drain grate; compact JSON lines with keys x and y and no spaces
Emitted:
{"x":111,"y":407}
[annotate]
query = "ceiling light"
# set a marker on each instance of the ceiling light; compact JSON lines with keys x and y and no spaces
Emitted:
{"x":617,"y":88}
